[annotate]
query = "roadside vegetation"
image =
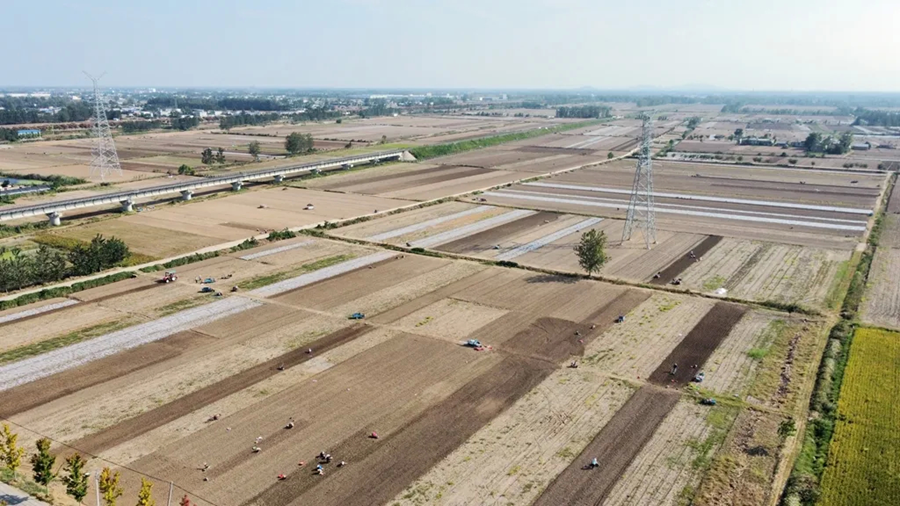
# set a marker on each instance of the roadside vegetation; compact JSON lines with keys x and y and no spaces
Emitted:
{"x":426,"y":152}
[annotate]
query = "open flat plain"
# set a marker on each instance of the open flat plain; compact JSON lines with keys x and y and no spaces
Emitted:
{"x":131,"y":373}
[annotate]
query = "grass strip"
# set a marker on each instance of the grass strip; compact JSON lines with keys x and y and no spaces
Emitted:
{"x":426,"y":152}
{"x":31,"y":350}
{"x":269,"y":279}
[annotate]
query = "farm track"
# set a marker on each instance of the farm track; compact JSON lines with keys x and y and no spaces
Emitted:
{"x":485,"y":239}
{"x":31,"y":395}
{"x":680,"y":265}
{"x":145,"y":422}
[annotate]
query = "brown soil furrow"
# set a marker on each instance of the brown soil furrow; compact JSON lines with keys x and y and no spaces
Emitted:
{"x":379,"y":469}
{"x":698,"y":345}
{"x":615,"y":446}
{"x":131,"y":428}
{"x":118,"y":294}
{"x":37,"y":315}
{"x":678,"y":266}
{"x":42,"y":391}
{"x":486,"y":239}
{"x":335,"y":291}
{"x":737,"y":278}
{"x":403,"y":184}
{"x":414,"y":305}
{"x":375,"y":179}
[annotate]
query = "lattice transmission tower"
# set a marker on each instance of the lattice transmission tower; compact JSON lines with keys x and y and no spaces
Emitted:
{"x":104,"y":159}
{"x":641,"y":213}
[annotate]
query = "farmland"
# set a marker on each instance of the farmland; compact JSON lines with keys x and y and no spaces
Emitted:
{"x":475,"y":245}
{"x":865,"y":443}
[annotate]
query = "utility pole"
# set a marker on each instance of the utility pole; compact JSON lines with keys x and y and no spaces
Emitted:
{"x":641,"y":212}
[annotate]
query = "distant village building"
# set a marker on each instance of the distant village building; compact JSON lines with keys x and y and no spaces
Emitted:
{"x":861,"y":146}
{"x":29,"y":133}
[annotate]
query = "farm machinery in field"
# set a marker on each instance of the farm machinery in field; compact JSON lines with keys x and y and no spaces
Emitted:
{"x":168,"y":277}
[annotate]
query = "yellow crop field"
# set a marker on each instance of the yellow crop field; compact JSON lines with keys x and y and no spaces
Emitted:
{"x":864,"y":461}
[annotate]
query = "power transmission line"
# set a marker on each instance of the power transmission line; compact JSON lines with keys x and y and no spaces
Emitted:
{"x":104,"y":159}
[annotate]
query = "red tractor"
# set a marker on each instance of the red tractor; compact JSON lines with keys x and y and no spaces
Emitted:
{"x":168,"y":277}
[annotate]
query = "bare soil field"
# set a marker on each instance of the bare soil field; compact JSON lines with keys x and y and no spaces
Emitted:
{"x":485,"y":240}
{"x":764,"y":271}
{"x":881,"y":307}
{"x":673,"y":270}
{"x":60,"y":323}
{"x":238,"y":216}
{"x":638,"y":418}
{"x":145,"y":239}
{"x":665,"y":471}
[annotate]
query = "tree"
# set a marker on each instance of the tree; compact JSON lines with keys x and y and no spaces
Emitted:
{"x":99,"y":254}
{"x":844,"y":143}
{"x":297,"y":143}
{"x":610,"y":155}
{"x":812,"y":142}
{"x":186,"y":170}
{"x":693,"y":122}
{"x":253,"y":149}
{"x":384,"y":139}
{"x":12,"y":453}
{"x":109,"y":486}
{"x":590,"y":251}
{"x":42,"y":462}
{"x":48,"y":265}
{"x":185,"y":501}
{"x":76,"y":479}
{"x":145,"y":497}
{"x":220,"y":155}
{"x":206,"y":157}
{"x":738,"y":133}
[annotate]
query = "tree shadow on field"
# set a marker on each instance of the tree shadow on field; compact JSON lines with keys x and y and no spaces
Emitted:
{"x":552,"y":278}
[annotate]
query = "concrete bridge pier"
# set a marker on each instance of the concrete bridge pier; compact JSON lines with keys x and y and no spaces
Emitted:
{"x":127,"y":206}
{"x":237,"y":185}
{"x":279,"y":178}
{"x":55,"y":218}
{"x":186,"y":194}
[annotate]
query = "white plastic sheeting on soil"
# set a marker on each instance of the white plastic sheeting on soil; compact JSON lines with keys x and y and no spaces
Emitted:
{"x":547,"y":239}
{"x":38,"y":310}
{"x":321,"y":274}
{"x":274,"y":251}
{"x":767,"y":203}
{"x":55,"y":361}
{"x":666,"y":209}
{"x":430,"y":223}
{"x":473,"y":228}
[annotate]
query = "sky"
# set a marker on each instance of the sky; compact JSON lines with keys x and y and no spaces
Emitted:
{"x":763,"y":45}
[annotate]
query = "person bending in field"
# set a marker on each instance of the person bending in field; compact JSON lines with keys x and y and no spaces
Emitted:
{"x":674,"y":369}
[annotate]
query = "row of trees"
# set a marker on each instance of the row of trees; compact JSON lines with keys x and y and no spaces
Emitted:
{"x":183,"y":122}
{"x":19,"y":270}
{"x":880,"y":118}
{"x":130,"y":127}
{"x":583,"y":111}
{"x":228,"y":122}
{"x":72,"y":474}
{"x":72,"y":111}
{"x":297,"y":143}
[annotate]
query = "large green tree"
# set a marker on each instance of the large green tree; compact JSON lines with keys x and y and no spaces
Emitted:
{"x":591,"y":251}
{"x":813,"y":142}
{"x":297,"y":143}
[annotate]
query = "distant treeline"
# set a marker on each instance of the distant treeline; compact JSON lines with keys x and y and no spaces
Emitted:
{"x":9,"y":134}
{"x":73,"y":111}
{"x":245,"y":119}
{"x":227,"y":104}
{"x":185,"y":123}
{"x":583,"y":111}
{"x":131,"y":127}
{"x":877,"y":118}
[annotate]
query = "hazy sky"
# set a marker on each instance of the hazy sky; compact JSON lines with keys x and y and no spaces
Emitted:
{"x":757,"y":45}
